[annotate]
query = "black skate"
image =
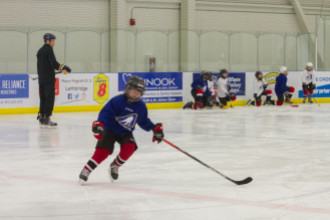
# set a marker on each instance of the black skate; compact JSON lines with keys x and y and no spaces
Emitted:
{"x":83,"y":176}
{"x":113,"y":172}
{"x":41,"y":119}
{"x":310,"y":100}
{"x":49,"y":123}
{"x":188,"y":105}
{"x":304,"y":100}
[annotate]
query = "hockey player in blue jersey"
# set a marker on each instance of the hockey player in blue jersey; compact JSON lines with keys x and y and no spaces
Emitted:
{"x":201,"y":91}
{"x":283,"y":92}
{"x":116,"y":123}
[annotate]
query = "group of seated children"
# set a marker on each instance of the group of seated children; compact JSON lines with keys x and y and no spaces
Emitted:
{"x":205,"y":93}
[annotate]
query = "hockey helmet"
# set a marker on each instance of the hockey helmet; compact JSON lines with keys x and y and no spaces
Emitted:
{"x":136,"y":83}
{"x":309,"y":64}
{"x":257,"y":74}
{"x":222,"y":71}
{"x":283,"y":69}
{"x":49,"y":36}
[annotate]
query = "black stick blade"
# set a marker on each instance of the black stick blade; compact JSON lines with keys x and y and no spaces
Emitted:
{"x":245,"y":181}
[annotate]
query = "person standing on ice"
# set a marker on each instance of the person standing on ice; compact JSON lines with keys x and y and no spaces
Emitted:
{"x":116,"y":123}
{"x":283,"y":92}
{"x":46,"y":65}
{"x":308,"y":82}
{"x":224,"y":93}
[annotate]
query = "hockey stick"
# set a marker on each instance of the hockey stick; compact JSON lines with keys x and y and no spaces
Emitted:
{"x":35,"y":78}
{"x":249,"y":102}
{"x":231,"y":104}
{"x":316,"y":102}
{"x":241,"y":182}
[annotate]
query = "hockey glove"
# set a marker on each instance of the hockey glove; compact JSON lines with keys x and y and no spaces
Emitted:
{"x":313,"y":86}
{"x":98,"y":128}
{"x":158,"y":133}
{"x":65,"y":69}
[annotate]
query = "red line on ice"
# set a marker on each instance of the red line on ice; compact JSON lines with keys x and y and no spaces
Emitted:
{"x":259,"y":204}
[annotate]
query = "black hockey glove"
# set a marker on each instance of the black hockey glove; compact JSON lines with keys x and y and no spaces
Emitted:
{"x":265,"y":86}
{"x":313,"y":86}
{"x":65,"y":69}
{"x":98,"y":128}
{"x":158,"y":133}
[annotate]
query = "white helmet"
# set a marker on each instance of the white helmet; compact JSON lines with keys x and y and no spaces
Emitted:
{"x":309,"y":64}
{"x":283,"y":69}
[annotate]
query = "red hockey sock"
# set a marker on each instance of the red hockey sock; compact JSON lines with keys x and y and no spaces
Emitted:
{"x":258,"y":104}
{"x":98,"y":157}
{"x":311,"y":92}
{"x":305,"y":92}
{"x":125,"y":153}
{"x":279,"y":103}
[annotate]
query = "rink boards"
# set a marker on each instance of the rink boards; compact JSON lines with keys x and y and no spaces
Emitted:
{"x":164,"y":90}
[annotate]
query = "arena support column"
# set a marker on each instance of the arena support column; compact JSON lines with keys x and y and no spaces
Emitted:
{"x":118,"y":23}
{"x":188,"y":38}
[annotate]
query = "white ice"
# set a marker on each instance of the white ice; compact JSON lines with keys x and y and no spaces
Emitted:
{"x":286,"y":150}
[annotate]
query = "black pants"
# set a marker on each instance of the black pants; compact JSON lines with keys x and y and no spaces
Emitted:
{"x":109,"y":139}
{"x":47,"y":98}
{"x":224,"y":100}
{"x":204,"y":99}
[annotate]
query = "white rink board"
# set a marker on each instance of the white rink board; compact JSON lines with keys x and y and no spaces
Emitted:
{"x":78,"y":89}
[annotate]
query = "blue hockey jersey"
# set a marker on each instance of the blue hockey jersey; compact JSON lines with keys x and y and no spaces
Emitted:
{"x":280,"y":86}
{"x":200,"y":83}
{"x":121,"y":117}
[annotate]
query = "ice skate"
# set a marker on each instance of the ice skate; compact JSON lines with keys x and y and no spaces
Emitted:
{"x":49,"y":123}
{"x":113,"y":172}
{"x":83,"y":176}
{"x":41,"y":119}
{"x":310,"y":99}
{"x":188,"y":105}
{"x":304,"y":100}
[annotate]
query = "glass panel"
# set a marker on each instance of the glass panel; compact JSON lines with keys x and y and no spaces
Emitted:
{"x":306,"y":50}
{"x":271,"y":52}
{"x":243,"y":52}
{"x":291,"y":52}
{"x":214,"y":51}
{"x":152,"y":43}
{"x":13,"y":52}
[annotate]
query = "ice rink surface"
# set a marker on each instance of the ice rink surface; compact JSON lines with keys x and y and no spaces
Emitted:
{"x":286,"y":150}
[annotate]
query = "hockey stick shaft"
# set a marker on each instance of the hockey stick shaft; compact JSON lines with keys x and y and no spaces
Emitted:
{"x":316,"y":101}
{"x":35,"y":78}
{"x":247,"y":180}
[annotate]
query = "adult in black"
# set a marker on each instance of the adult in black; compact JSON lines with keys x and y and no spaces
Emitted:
{"x":47,"y":64}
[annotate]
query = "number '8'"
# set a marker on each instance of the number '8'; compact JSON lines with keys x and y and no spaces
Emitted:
{"x":102,"y":89}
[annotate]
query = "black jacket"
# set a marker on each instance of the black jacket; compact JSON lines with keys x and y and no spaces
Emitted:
{"x":46,"y":64}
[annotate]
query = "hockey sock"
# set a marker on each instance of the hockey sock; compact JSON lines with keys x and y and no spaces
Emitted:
{"x":279,"y":103}
{"x":311,"y":92}
{"x":125,"y":153}
{"x":100,"y":155}
{"x":305,"y":93}
{"x":258,"y":104}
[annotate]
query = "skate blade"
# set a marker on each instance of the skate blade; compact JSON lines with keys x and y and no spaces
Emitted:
{"x":81,"y":182}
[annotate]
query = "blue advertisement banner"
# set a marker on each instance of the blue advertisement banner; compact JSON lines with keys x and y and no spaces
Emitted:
{"x":236,"y":81}
{"x":14,"y":86}
{"x":161,"y":87}
{"x":154,"y":81}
